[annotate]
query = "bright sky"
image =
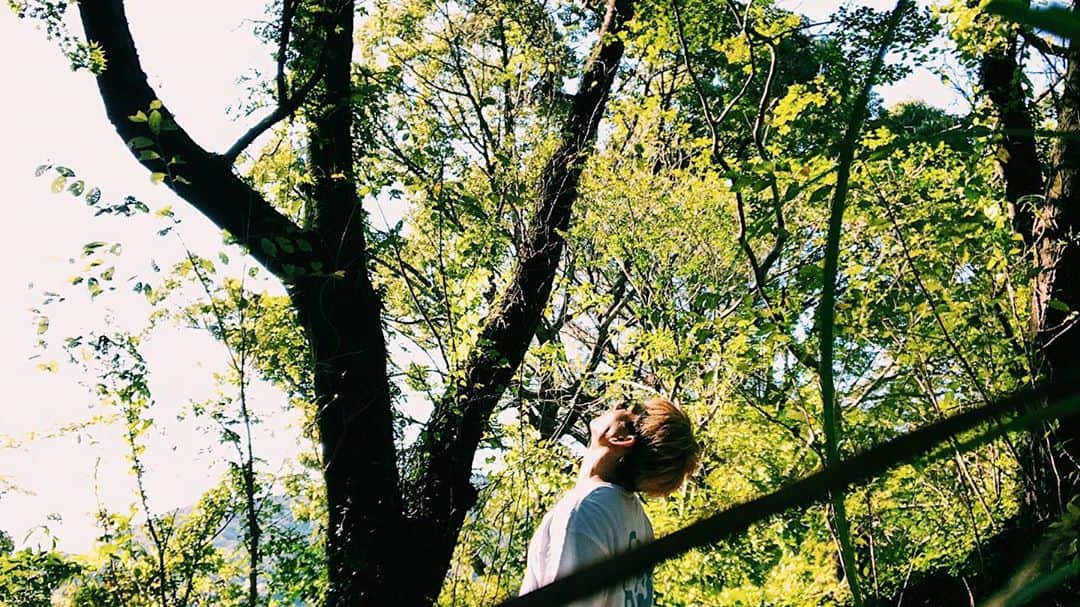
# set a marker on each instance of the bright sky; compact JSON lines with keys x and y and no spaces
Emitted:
{"x":50,"y":114}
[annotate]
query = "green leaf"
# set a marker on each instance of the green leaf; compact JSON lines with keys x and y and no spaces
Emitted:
{"x":157,"y":178}
{"x":149,"y":155}
{"x":182,"y":179}
{"x":93,"y":196}
{"x":303,"y":245}
{"x":1058,"y":305}
{"x":58,"y":184}
{"x":92,"y":246}
{"x":139,"y":143}
{"x":285,"y":245}
{"x":138,"y":117}
{"x":38,"y":172}
{"x":43,"y":325}
{"x":66,"y":172}
{"x":154,"y":122}
{"x":94,"y":287}
{"x":155,"y":104}
{"x":268,"y":247}
{"x":224,"y":258}
{"x":820,"y":193}
{"x":77,"y":187}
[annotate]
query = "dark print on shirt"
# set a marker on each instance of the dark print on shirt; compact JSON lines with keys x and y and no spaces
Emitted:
{"x":637,"y":591}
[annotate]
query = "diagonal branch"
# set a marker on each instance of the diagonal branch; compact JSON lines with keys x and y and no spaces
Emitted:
{"x":441,"y":490}
{"x":283,"y":110}
{"x":826,"y":312}
{"x":202,"y":179}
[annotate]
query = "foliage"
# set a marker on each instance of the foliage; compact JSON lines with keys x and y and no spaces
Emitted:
{"x":30,"y":577}
{"x":693,"y":269}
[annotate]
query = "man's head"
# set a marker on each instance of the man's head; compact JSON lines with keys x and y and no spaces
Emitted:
{"x":655,"y":441}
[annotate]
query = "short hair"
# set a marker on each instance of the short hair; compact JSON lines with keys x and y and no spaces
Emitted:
{"x":665,"y":452}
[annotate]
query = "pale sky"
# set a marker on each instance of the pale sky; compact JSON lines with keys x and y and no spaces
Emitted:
{"x":50,"y":114}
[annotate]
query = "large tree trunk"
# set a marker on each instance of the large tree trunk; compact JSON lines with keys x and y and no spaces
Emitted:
{"x":381,"y":549}
{"x":355,"y":425}
{"x":343,"y":321}
{"x":1022,"y":172}
{"x":1057,"y":287}
{"x":1043,"y":197}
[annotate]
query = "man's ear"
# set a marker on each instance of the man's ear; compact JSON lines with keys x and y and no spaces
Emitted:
{"x":623,"y":440}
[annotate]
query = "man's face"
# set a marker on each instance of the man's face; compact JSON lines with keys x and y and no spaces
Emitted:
{"x":616,"y":422}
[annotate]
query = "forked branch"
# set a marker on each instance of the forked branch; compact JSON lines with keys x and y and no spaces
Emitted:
{"x":195,"y":174}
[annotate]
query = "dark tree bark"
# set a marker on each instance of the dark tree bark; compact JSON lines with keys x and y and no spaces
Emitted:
{"x":342,"y":318}
{"x":384,"y":546}
{"x":1043,"y":197}
{"x":1045,"y":206}
{"x":442,"y":492}
{"x":1057,"y":292}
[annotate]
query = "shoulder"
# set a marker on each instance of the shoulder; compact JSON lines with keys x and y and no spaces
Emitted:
{"x":605,"y":496}
{"x":603,"y":506}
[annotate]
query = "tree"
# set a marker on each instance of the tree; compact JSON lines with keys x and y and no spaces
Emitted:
{"x":703,"y":247}
{"x":1037,"y":176}
{"x":1041,"y":188}
{"x":324,"y":257}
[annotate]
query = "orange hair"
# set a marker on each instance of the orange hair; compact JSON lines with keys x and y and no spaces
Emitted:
{"x":665,"y":453}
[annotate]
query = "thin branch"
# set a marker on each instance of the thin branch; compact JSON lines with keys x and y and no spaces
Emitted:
{"x":698,"y":89}
{"x":287,"y":7}
{"x":285,"y":108}
{"x":826,"y":314}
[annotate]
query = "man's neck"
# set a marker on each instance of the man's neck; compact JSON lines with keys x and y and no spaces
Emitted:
{"x":601,"y":464}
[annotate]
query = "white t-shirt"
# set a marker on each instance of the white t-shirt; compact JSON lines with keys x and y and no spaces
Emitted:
{"x":592,"y":522}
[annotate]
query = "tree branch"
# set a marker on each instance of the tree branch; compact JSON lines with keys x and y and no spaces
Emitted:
{"x":287,"y":104}
{"x":203,"y":179}
{"x":287,"y":7}
{"x":826,"y":313}
{"x":441,"y":491}
{"x":283,"y":110}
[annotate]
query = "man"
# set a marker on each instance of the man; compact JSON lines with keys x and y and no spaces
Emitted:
{"x":648,"y":449}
